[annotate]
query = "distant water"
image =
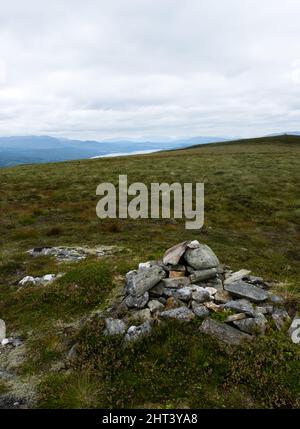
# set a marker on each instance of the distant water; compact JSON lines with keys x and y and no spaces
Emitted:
{"x":137,"y":152}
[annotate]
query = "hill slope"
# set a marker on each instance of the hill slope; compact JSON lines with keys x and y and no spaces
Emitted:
{"x":252,"y":220}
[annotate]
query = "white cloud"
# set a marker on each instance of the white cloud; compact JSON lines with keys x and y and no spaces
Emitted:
{"x":98,"y":69}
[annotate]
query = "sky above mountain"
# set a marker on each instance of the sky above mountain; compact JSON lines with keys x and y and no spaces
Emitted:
{"x":97,"y":69}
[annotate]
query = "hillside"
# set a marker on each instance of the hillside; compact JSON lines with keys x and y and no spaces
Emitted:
{"x":252,"y":221}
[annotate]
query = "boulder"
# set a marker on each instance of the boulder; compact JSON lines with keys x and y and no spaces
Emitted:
{"x":200,"y":310}
{"x":2,"y":330}
{"x":141,"y":281}
{"x":201,"y":258}
{"x":223,"y":332}
{"x":179,"y":313}
{"x":136,"y":332}
{"x":172,"y":256}
{"x":253,"y":325}
{"x":114,"y":327}
{"x":136,"y":301}
{"x":157,"y":290}
{"x":241,"y":306}
{"x":198,"y":276}
{"x":245,"y":290}
{"x":238,"y":275}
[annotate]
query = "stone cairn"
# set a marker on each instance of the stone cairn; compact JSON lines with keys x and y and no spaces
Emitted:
{"x":190,"y":282}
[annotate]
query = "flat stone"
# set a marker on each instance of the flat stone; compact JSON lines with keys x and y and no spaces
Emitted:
{"x":176,"y":283}
{"x":2,"y":330}
{"x":253,"y":325}
{"x":222,"y":297}
{"x":201,"y":258}
{"x":155,"y":306}
{"x":178,"y":267}
{"x":238,"y":275}
{"x":136,"y":332}
{"x":200,"y":310}
{"x":240,"y":305}
{"x":179,"y":313}
{"x":281,"y":318}
{"x":139,"y":282}
{"x":245,"y":290}
{"x":234,"y":317}
{"x":137,"y":301}
{"x":172,"y":256}
{"x":224,"y":332}
{"x":114,"y":326}
{"x":201,"y":295}
{"x":201,"y":275}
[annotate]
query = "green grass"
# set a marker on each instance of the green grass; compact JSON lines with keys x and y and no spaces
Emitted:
{"x":252,"y":220}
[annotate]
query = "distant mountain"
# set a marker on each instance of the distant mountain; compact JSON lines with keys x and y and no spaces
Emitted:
{"x":40,"y":149}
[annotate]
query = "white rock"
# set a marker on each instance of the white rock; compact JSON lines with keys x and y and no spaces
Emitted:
{"x":211,"y":290}
{"x":194,"y":244}
{"x":143,"y":265}
{"x":2,"y":330}
{"x":48,"y":277}
{"x":154,"y":305}
{"x":5,"y":341}
{"x":27,"y":279}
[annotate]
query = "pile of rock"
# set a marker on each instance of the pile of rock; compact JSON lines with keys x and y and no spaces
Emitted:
{"x":74,"y":254}
{"x":190,"y":282}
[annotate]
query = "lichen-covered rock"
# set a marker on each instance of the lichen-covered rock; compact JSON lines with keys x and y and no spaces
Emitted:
{"x":137,"y":301}
{"x":200,"y":310}
{"x":155,"y":306}
{"x":224,"y":332}
{"x":173,"y":302}
{"x":176,"y":283}
{"x":114,"y":326}
{"x":139,"y":282}
{"x":222,"y":297}
{"x":185,"y":293}
{"x":253,"y":325}
{"x":201,"y":295}
{"x":136,"y":332}
{"x":142,"y":315}
{"x":245,"y":290}
{"x":179,"y":313}
{"x":201,"y":258}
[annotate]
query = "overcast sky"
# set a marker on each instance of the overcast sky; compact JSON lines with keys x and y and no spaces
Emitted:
{"x":130,"y":68}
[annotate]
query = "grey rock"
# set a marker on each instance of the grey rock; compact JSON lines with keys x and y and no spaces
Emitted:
{"x":253,"y":325}
{"x":241,"y":306}
{"x":114,"y":326}
{"x":155,"y":306}
{"x":137,"y":301}
{"x":157,"y":290}
{"x":72,"y":353}
{"x":238,"y":275}
{"x":141,"y":281}
{"x":179,"y":267}
{"x":2,"y":330}
{"x":265,"y":309}
{"x":201,"y":258}
{"x":27,"y":280}
{"x":275,"y":299}
{"x":223,"y":332}
{"x":179,"y":313}
{"x":142,"y":315}
{"x":200,"y":310}
{"x":222,"y":296}
{"x":201,"y":275}
{"x":245,"y":290}
{"x":294,"y":330}
{"x":172,"y":256}
{"x":281,"y":318}
{"x":136,"y":332}
{"x":64,"y":253}
{"x":176,"y":282}
{"x":183,"y":294}
{"x":202,"y":295}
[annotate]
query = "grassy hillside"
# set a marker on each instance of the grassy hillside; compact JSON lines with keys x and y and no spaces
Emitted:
{"x":252,"y":220}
